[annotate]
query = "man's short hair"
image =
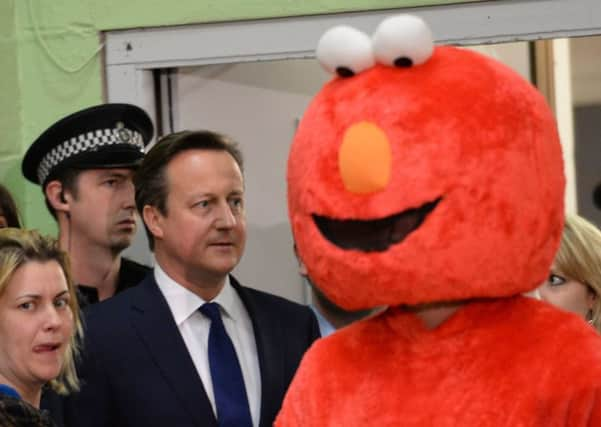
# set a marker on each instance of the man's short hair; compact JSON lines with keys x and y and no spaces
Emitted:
{"x":150,"y":179}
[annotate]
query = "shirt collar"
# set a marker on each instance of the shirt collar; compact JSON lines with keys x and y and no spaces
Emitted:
{"x":325,"y":327}
{"x":184,"y":303}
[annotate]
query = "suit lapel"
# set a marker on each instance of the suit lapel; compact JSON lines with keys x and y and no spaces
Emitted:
{"x":152,"y":319}
{"x":268,"y":337}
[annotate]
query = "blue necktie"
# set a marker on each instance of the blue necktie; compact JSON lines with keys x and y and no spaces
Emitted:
{"x":228,"y":383}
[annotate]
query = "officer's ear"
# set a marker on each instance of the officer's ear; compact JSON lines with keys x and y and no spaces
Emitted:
{"x":153,"y":219}
{"x":55,"y":193}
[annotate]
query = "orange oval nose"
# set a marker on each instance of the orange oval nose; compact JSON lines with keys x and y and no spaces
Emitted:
{"x":365,"y":158}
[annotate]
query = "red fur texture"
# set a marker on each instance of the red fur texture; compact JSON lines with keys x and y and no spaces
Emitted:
{"x":507,"y":362}
{"x":468,"y":131}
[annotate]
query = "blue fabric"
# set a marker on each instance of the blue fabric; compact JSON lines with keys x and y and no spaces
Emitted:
{"x":325,"y":327}
{"x":228,"y":383}
{"x":9,"y":391}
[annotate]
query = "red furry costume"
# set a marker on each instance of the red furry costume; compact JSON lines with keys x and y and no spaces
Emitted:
{"x":439,"y":179}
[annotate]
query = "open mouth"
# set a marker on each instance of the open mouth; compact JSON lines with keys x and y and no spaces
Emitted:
{"x":373,"y":235}
{"x":46,"y":348}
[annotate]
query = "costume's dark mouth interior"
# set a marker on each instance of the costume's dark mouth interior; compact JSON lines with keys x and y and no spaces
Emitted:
{"x":373,"y":235}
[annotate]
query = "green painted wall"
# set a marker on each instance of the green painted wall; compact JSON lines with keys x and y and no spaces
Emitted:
{"x":53,"y":39}
{"x":51,"y":65}
{"x":11,"y":140}
{"x":113,"y":14}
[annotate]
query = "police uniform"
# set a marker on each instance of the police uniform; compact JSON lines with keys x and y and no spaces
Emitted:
{"x":130,"y":274}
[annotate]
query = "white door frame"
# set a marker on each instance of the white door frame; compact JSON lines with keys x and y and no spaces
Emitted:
{"x":132,"y":54}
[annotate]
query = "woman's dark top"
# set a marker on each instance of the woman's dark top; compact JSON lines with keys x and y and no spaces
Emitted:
{"x":15,"y":412}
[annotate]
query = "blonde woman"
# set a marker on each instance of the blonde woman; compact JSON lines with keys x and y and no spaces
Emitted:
{"x":574,"y":283}
{"x":39,"y":321}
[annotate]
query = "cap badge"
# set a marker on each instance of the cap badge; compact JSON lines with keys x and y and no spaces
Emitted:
{"x":124,"y":134}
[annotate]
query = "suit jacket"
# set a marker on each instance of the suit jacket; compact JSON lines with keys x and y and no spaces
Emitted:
{"x":130,"y":274}
{"x":137,"y":370}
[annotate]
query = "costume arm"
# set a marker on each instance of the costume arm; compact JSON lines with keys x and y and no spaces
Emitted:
{"x":305,"y":395}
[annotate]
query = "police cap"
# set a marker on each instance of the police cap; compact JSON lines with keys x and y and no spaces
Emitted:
{"x":103,"y":136}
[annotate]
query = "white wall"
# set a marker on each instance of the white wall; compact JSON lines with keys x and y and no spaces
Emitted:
{"x":586,"y":86}
{"x":586,"y":70}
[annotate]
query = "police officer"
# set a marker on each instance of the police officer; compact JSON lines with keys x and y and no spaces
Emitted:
{"x":85,"y":164}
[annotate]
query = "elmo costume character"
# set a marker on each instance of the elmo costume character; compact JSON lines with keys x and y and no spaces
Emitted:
{"x":429,"y":180}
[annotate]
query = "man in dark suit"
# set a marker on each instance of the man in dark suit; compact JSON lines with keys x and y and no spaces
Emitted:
{"x":190,"y":346}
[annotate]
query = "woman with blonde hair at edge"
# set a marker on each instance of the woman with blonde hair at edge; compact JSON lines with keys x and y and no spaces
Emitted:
{"x":574,"y":283}
{"x":39,"y":325}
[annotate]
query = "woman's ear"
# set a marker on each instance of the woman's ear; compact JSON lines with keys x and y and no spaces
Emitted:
{"x":592,"y":298}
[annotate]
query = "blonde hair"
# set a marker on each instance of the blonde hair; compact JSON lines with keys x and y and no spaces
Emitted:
{"x":579,"y":258}
{"x":18,"y":247}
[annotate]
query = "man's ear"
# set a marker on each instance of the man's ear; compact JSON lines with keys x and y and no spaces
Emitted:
{"x":302,"y":268}
{"x":56,"y":196}
{"x":153,"y":220}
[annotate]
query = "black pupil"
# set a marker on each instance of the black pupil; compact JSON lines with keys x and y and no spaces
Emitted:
{"x":344,"y":72}
{"x":403,"y":61}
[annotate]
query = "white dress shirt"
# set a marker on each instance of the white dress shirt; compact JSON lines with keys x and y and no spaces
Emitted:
{"x":194,"y":327}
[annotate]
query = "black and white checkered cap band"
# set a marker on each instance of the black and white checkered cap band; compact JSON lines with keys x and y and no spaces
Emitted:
{"x":85,"y":142}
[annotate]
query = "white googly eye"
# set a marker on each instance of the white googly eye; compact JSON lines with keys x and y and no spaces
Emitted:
{"x":402,"y":41}
{"x":345,"y":51}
